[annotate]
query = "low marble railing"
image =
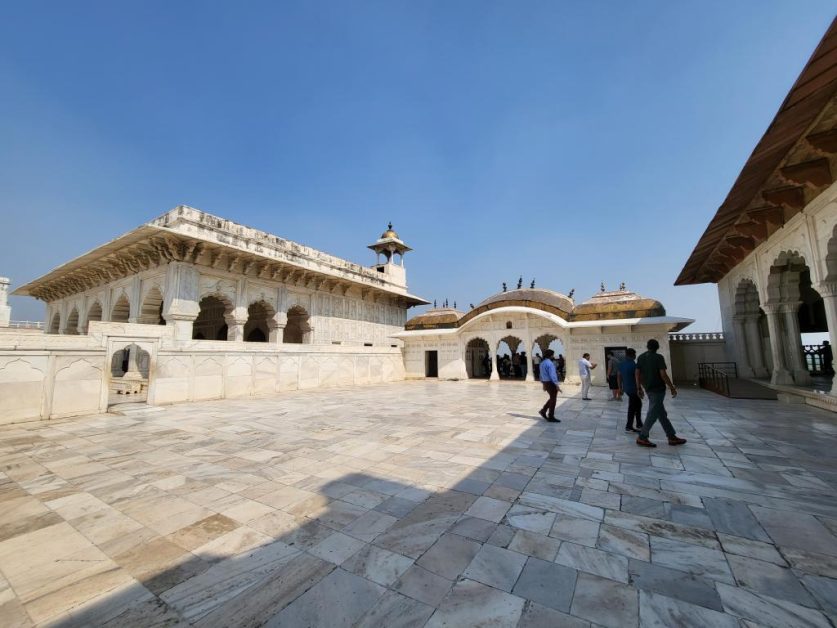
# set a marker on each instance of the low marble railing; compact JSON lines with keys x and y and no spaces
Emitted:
{"x":26,"y":324}
{"x":711,"y":336}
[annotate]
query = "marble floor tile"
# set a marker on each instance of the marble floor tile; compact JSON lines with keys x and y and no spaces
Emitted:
{"x":449,"y":556}
{"x":547,"y":584}
{"x":605,"y":602}
{"x":538,"y":616}
{"x":625,"y":542}
{"x":770,"y":579}
{"x":575,"y":530}
{"x":489,"y":509}
{"x":423,"y":585}
{"x":495,"y":567}
{"x":598,"y":562}
{"x":735,"y":518}
{"x":396,"y":611}
{"x":534,"y":544}
{"x":768,"y":611}
{"x":378,"y":565}
{"x":659,"y":611}
{"x":471,"y":603}
{"x":694,"y":559}
{"x":337,"y":548}
{"x":675,"y":584}
{"x":796,"y":529}
{"x":318,"y":607}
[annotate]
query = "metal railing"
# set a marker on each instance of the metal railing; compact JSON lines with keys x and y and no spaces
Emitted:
{"x":815,"y":359}
{"x":715,"y":376}
{"x":711,"y":336}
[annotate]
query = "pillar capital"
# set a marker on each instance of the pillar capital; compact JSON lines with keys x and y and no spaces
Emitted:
{"x":827,"y":288}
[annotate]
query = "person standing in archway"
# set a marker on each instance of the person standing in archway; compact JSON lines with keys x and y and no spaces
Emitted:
{"x":549,"y":380}
{"x":585,"y":371}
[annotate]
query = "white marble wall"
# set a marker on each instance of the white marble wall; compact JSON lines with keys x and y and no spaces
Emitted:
{"x":52,"y":376}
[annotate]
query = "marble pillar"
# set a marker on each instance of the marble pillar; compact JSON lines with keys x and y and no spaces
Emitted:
{"x":754,"y":342}
{"x":742,"y":344}
{"x":828,"y":291}
{"x":793,"y":339}
{"x":495,"y":370}
{"x":780,"y":375}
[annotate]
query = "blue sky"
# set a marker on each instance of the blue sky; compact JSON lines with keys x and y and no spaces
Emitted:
{"x":570,"y":142}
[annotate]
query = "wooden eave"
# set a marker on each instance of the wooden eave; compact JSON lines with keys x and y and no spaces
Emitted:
{"x":793,"y":163}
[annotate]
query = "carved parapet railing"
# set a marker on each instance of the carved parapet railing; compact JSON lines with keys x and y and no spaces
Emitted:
{"x":711,"y":336}
{"x":26,"y":324}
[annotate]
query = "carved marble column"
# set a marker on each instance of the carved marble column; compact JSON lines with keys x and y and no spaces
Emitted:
{"x":742,"y":342}
{"x":793,"y":338}
{"x":276,"y":325}
{"x":235,"y":324}
{"x":780,"y":375}
{"x":133,"y":371}
{"x":828,"y":291}
{"x":495,"y":371}
{"x":753,"y":333}
{"x":180,"y":302}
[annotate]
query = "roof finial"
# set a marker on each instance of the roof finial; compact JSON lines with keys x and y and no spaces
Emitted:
{"x":472,"y":305}
{"x":504,"y":286}
{"x":603,"y":287}
{"x":520,"y":282}
{"x":570,"y":295}
{"x":622,"y":286}
{"x":389,"y":225}
{"x":454,"y":305}
{"x":434,"y":303}
{"x":533,"y":285}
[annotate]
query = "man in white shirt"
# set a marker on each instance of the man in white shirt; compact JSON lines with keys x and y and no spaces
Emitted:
{"x":585,"y":366}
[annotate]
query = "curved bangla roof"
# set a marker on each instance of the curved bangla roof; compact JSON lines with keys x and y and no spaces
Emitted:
{"x":617,"y":304}
{"x":437,"y":318}
{"x":612,"y":305}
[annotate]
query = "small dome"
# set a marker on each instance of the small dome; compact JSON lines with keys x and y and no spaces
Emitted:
{"x":617,"y":304}
{"x":389,"y":233}
{"x":436,"y":318}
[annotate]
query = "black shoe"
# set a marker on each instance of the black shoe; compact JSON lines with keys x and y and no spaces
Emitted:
{"x":586,"y":399}
{"x":542,"y":412}
{"x":552,"y":419}
{"x":629,"y":429}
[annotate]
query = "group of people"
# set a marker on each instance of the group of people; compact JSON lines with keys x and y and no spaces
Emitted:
{"x":634,"y":377}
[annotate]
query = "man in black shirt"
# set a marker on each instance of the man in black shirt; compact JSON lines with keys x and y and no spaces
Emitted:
{"x":652,"y":376}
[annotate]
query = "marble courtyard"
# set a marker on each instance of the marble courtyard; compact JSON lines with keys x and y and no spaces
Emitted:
{"x":421,"y":503}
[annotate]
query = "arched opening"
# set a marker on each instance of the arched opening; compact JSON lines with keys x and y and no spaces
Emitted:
{"x":55,"y":324}
{"x":297,"y":329}
{"x":259,"y":322}
{"x":478,"y":359}
{"x":539,"y":347}
{"x":93,"y":314}
{"x":794,"y":307}
{"x":511,"y":358}
{"x":151,"y":312}
{"x":121,"y":310}
{"x":211,"y":323}
{"x":72,"y":323}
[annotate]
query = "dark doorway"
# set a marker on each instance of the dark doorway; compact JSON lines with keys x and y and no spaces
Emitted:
{"x":620,"y":353}
{"x":431,"y":364}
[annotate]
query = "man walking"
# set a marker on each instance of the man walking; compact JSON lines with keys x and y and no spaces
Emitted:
{"x":652,"y":376}
{"x":585,"y":367}
{"x":627,"y":386}
{"x":549,"y":380}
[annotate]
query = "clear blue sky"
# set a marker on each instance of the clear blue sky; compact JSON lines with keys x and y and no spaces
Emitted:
{"x":572,"y":142}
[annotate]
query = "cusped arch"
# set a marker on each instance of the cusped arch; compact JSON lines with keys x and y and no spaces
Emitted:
{"x":261,"y":321}
{"x":746,"y":297}
{"x":94,"y":313}
{"x":214,"y":312}
{"x":55,"y":323}
{"x":478,"y":361}
{"x":298,"y":328}
{"x":121,"y":310}
{"x":151,"y":310}
{"x":72,"y":322}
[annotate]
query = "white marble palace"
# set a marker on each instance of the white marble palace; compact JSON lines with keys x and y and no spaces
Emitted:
{"x":191,"y":306}
{"x":524,"y":322}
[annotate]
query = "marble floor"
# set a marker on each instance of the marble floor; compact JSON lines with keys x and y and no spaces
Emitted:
{"x":421,"y":504}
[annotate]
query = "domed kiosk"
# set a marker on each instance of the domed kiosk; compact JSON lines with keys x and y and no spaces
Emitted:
{"x":498,"y":338}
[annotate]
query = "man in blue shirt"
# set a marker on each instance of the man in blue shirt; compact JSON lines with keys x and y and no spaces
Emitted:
{"x":627,"y":386}
{"x":549,"y":380}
